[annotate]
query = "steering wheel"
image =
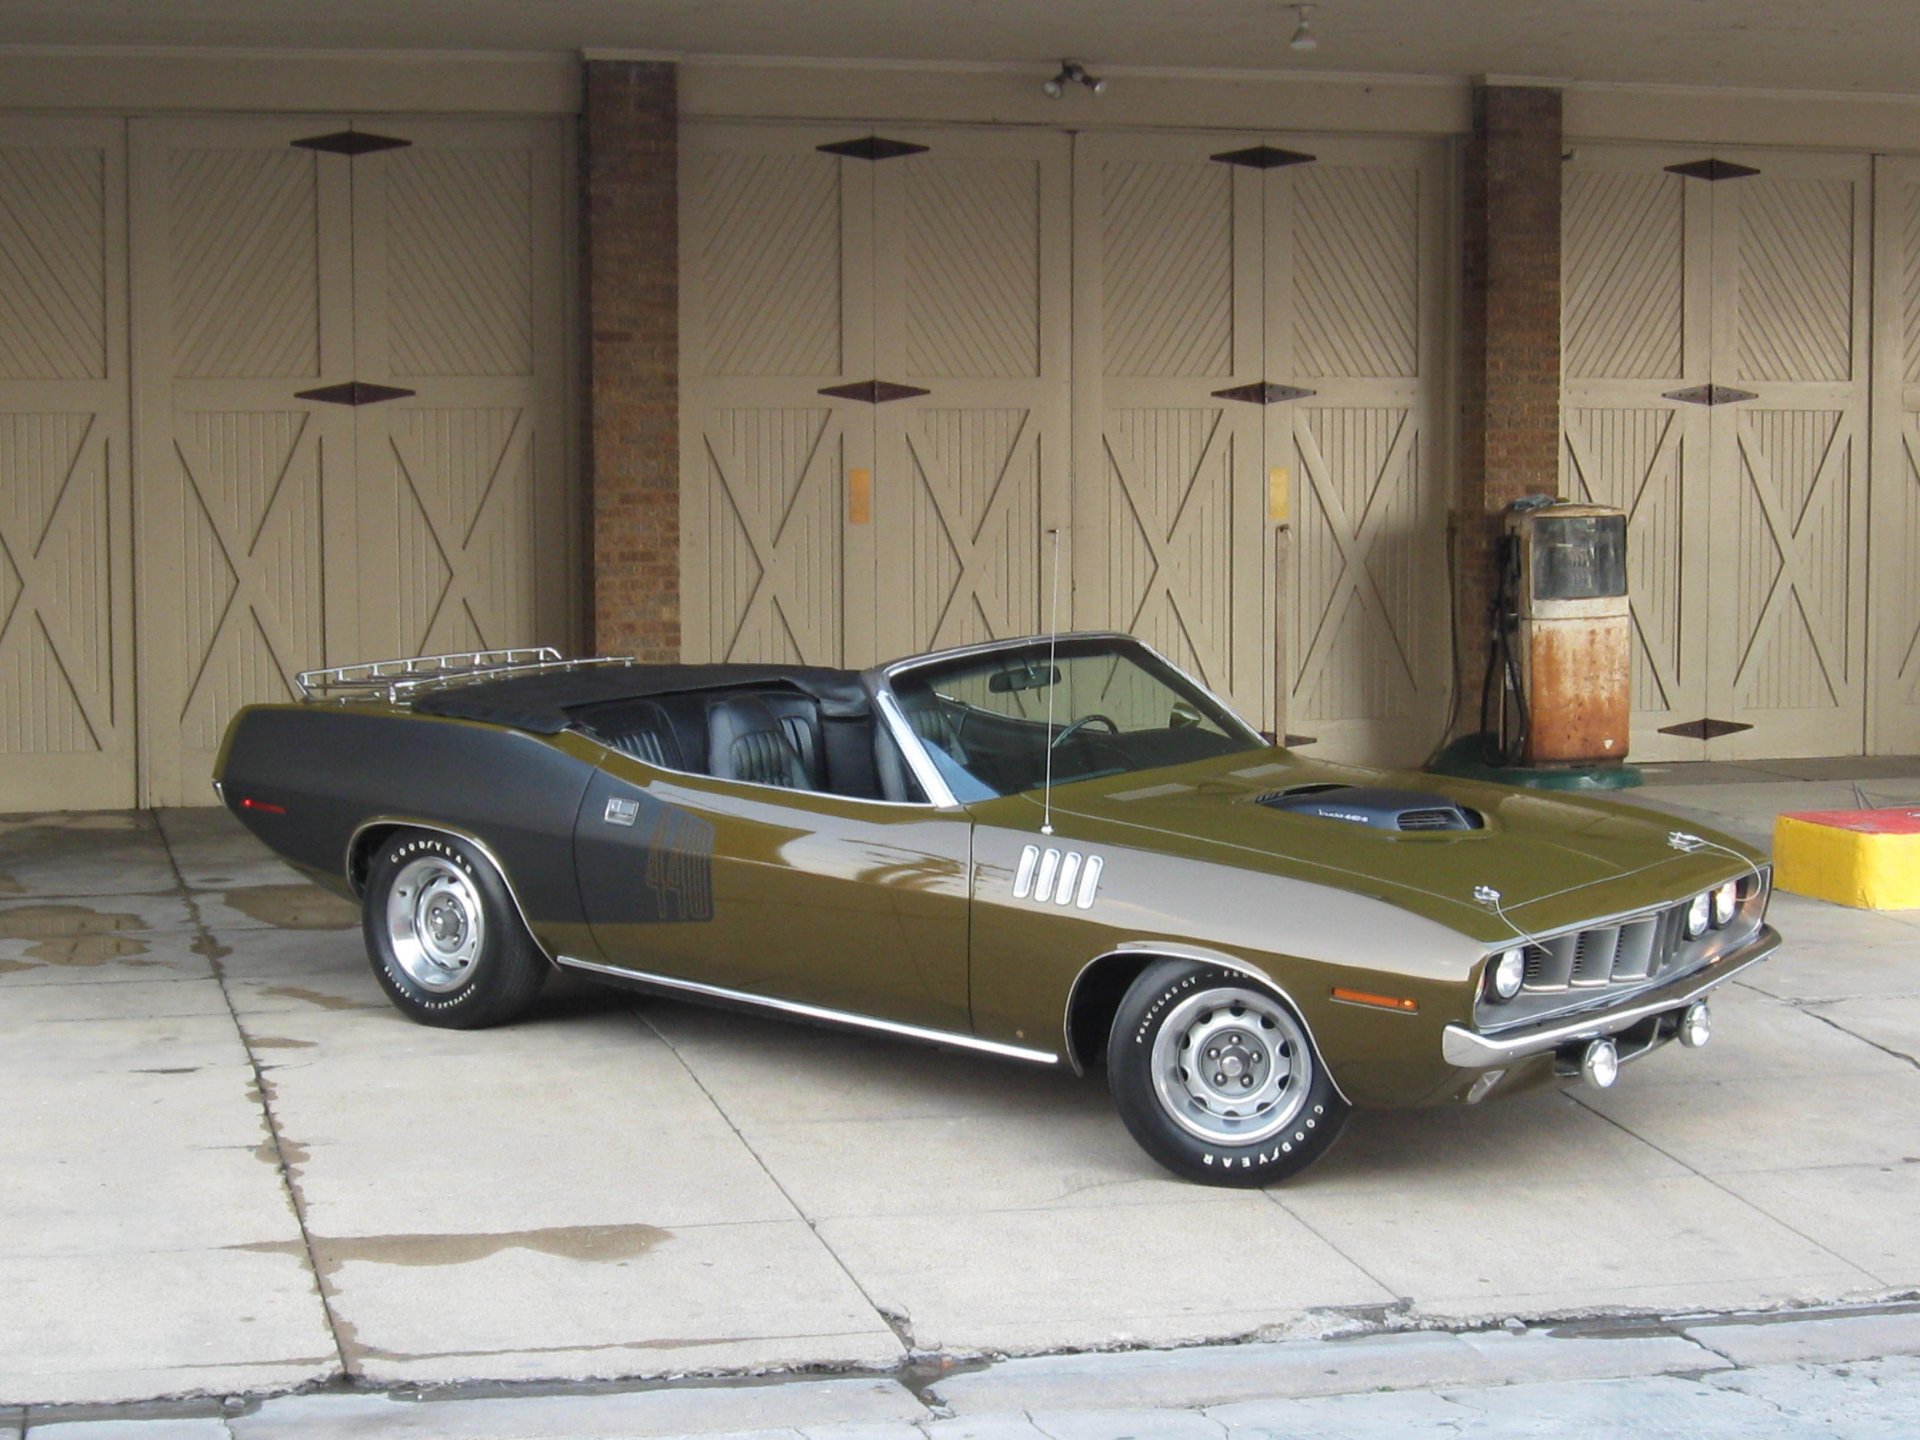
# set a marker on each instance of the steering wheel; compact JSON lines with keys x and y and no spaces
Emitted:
{"x":1077,"y":726}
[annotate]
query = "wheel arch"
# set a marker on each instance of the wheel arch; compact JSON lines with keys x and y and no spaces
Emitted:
{"x":1096,"y":992}
{"x":370,"y":835}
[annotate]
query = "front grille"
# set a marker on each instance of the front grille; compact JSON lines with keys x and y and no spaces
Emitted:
{"x":1638,"y":949}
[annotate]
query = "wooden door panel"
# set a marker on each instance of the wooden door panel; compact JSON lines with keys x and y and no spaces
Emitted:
{"x":1789,"y":562}
{"x":1893,"y":676}
{"x":66,"y":655}
{"x":1168,"y":499}
{"x":777,"y":557}
{"x":242,"y":264}
{"x":970,"y":305}
{"x":458,"y":300}
{"x":1353,"y":287}
{"x":1636,"y":293}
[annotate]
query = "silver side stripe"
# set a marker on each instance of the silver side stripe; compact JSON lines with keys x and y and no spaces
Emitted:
{"x":811,"y":1012}
{"x":1054,"y":878}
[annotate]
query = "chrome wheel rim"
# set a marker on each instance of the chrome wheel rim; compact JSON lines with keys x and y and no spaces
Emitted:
{"x":1232,"y":1065}
{"x":436,"y":923}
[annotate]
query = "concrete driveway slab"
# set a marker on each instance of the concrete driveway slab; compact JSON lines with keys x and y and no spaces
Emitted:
{"x":89,"y":1328}
{"x":743,"y":1060}
{"x":1809,"y":968}
{"x":1889,"y":1022}
{"x":33,"y":1015}
{"x":114,"y":852}
{"x":173,"y":1041}
{"x":1862,"y":1213}
{"x":213,"y":851}
{"x":1756,"y":1037}
{"x":1487,"y":1148}
{"x":1570,"y":1248}
{"x":132,"y":1163}
{"x":614,"y":1300}
{"x":419,"y":1144}
{"x":1094,"y":1274}
{"x":1725,"y":1127}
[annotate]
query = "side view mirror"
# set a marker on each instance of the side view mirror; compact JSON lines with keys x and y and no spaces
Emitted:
{"x":1183,"y":715}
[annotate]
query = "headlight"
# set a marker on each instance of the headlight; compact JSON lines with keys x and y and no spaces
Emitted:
{"x":1698,"y":913}
{"x":1507,"y":973}
{"x":1725,"y":901}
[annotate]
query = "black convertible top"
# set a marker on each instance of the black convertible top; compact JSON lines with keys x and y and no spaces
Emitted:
{"x":544,"y":702}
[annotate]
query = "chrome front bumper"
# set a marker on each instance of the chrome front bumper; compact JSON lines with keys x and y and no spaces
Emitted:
{"x":1470,"y":1050}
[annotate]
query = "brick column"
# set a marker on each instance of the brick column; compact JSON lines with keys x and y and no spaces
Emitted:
{"x":1510,"y":340}
{"x":631,"y":267}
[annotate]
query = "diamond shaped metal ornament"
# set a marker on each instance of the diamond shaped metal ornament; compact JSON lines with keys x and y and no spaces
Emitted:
{"x":1713,"y":170}
{"x":1709,"y":395}
{"x":351,"y":143}
{"x":353,"y":392}
{"x":1264,"y":157}
{"x":872,"y":147}
{"x":874,"y":392}
{"x":1262,"y":392}
{"x":1706,"y":728}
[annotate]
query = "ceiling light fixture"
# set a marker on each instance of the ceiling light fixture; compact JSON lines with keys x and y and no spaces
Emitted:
{"x":1303,"y":38}
{"x":1072,"y":72}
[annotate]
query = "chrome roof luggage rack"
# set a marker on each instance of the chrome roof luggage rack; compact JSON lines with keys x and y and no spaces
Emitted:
{"x":396,"y":680}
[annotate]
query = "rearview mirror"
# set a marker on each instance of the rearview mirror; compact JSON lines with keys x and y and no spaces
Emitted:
{"x":1028,"y":677}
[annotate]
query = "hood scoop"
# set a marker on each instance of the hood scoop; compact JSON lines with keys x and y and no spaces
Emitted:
{"x":1375,"y":807}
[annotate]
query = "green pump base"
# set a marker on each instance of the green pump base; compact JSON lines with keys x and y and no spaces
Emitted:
{"x":1463,"y":758}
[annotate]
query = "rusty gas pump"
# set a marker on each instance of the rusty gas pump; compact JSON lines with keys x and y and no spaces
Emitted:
{"x":1561,"y":661}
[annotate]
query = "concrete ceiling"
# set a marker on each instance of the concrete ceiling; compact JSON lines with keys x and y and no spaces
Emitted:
{"x":1807,"y":45}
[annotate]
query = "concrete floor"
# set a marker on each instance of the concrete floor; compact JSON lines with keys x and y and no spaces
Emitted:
{"x":232,"y":1167}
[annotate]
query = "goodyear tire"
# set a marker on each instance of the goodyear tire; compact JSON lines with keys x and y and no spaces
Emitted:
{"x":1217,"y":1079}
{"x":445,"y":939}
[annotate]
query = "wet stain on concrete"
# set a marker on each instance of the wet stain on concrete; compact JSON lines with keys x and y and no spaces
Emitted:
{"x":591,"y":1244}
{"x":206,"y":946}
{"x":315,"y":997}
{"x":279,"y":1042}
{"x":14,"y":967}
{"x":294,"y":907}
{"x":170,"y":1070}
{"x":10,"y":886}
{"x":69,"y":934}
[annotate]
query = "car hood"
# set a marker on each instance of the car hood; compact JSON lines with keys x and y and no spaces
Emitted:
{"x":1551,"y":859}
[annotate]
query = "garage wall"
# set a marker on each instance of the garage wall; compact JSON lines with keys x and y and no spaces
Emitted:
{"x":1051,"y":321}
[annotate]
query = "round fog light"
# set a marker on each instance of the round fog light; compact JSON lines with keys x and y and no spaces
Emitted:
{"x":1726,"y":900}
{"x":1600,"y":1065}
{"x":1696,"y":1025}
{"x":1698,"y":913}
{"x":1507,"y":974}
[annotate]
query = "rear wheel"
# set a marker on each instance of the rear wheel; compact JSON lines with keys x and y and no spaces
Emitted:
{"x":1217,"y":1079}
{"x":444,"y":937}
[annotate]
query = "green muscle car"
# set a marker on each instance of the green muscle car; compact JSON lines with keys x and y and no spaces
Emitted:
{"x":1057,"y":850}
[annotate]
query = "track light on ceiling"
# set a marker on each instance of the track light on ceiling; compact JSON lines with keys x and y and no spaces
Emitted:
{"x":1072,"y":72}
{"x":1303,"y":37}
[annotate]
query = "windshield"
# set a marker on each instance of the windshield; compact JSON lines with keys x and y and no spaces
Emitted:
{"x":1101,"y":706}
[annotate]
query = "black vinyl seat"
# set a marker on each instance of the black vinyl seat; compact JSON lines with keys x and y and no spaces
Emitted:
{"x":746,"y":741}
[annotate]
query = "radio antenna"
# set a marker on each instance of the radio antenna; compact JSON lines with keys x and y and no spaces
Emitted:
{"x":1053,"y":678}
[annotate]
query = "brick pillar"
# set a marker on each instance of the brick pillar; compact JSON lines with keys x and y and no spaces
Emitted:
{"x":1510,"y":340}
{"x":630,"y":261}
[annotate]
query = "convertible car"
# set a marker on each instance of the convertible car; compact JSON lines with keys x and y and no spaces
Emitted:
{"x":1057,"y":850}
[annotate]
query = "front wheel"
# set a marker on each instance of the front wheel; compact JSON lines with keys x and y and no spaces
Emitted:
{"x":1217,"y":1079}
{"x":445,"y":940}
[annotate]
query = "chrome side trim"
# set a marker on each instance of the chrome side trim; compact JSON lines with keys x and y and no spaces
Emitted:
{"x":812,"y":1012}
{"x":1174,"y":950}
{"x":486,"y":853}
{"x":1469,"y":1050}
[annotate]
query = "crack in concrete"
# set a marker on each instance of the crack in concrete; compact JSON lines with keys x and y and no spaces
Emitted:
{"x":1806,"y":1008}
{"x":287,"y":1155}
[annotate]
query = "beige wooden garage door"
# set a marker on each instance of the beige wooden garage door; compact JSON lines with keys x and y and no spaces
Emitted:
{"x":1257,"y":353}
{"x":1893,"y":717}
{"x":828,"y":521}
{"x":349,"y":382}
{"x":874,"y":352}
{"x":1716,"y":368}
{"x":66,"y":651}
